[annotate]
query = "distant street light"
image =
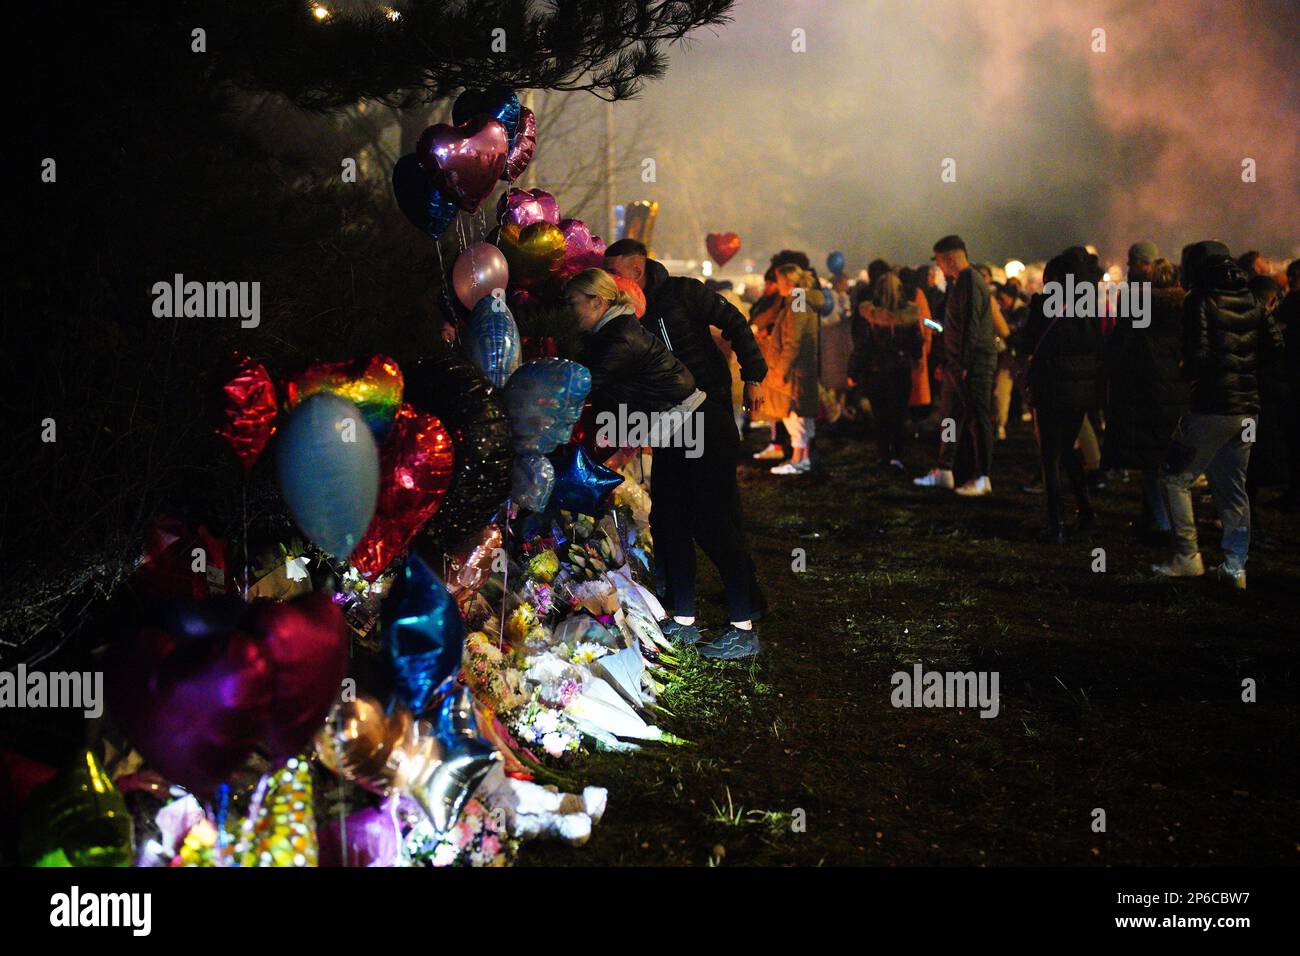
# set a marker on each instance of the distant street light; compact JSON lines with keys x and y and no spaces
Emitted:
{"x":320,"y":11}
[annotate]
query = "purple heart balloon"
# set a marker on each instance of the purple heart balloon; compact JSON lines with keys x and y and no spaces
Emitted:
{"x":521,"y":150}
{"x":468,"y":159}
{"x":582,"y":250}
{"x":527,"y":206}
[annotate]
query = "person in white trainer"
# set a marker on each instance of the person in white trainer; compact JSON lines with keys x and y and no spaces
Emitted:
{"x":788,"y":337}
{"x":969,"y":368}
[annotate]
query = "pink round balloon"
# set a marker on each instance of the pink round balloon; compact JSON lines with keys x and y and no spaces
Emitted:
{"x":478,"y":270}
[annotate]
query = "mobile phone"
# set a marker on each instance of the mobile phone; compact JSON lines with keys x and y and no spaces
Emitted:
{"x":934,"y":325}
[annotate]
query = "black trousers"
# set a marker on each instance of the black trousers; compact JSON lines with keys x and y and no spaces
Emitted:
{"x":696,"y":501}
{"x":889,"y":390}
{"x":1057,"y":430}
{"x":970,"y":405}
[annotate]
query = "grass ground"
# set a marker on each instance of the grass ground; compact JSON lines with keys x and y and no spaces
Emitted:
{"x":1118,"y":691}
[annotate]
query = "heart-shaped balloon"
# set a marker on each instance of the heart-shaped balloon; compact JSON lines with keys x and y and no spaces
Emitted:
{"x":500,"y":103}
{"x":582,"y":250}
{"x":544,"y":401}
{"x":534,"y":252}
{"x":522,"y":146}
{"x":196,"y":708}
{"x":415,"y":469}
{"x":422,"y":203}
{"x":467,"y":159}
{"x":306,"y":645}
{"x":524,"y":207}
{"x":373,"y":384}
{"x":722,"y":246}
{"x":249,"y":410}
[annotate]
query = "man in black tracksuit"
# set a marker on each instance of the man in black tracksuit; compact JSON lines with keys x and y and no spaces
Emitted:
{"x":696,"y":500}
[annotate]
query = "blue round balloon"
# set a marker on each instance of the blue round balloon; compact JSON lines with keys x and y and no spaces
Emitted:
{"x":581,"y":484}
{"x":428,"y":209}
{"x":493,"y":341}
{"x":835,"y":263}
{"x":543,"y":400}
{"x":501,"y":103}
{"x":531,"y":479}
{"x":328,"y":468}
{"x":423,"y":635}
{"x":828,"y":303}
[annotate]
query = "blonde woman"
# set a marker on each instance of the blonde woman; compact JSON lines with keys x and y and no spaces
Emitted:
{"x":692,"y":483}
{"x":789,"y":343}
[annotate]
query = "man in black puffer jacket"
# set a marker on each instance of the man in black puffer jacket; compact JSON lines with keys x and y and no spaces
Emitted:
{"x":1227,"y":336}
{"x":696,"y":500}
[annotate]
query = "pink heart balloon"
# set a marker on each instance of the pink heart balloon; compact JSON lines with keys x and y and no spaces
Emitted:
{"x":521,"y":153}
{"x":524,"y":207}
{"x":582,"y":250}
{"x":468,"y":159}
{"x":306,"y":644}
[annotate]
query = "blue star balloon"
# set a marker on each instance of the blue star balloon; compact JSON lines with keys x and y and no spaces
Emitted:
{"x":423,"y":636}
{"x":428,"y":209}
{"x":493,"y":341}
{"x":544,"y":401}
{"x":581,"y":485}
{"x":531,"y":479}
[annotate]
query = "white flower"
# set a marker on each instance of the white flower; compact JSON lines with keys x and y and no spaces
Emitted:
{"x":445,"y":854}
{"x":546,"y":722}
{"x":555,"y":744}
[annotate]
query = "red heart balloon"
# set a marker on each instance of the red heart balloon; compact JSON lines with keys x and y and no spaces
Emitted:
{"x":722,"y":246}
{"x":249,"y":411}
{"x":194,"y":708}
{"x":467,"y":159}
{"x":415,"y":467}
{"x":306,"y":644}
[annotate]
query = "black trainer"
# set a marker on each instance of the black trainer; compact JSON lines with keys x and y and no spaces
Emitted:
{"x":687,"y":634}
{"x":733,"y":644}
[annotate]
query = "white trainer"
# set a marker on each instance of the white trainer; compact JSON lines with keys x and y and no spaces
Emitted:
{"x":770,"y":453}
{"x":1183,"y":566}
{"x":793,"y":468}
{"x":976,"y":487}
{"x":935,"y":478}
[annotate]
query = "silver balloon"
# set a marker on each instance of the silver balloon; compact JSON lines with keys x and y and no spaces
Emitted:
{"x":532,"y":478}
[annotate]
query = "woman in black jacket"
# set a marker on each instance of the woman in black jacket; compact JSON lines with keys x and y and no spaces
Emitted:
{"x":1148,"y":395}
{"x":1065,"y":383}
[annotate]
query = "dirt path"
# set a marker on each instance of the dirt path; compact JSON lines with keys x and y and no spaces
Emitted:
{"x":1117,"y":691}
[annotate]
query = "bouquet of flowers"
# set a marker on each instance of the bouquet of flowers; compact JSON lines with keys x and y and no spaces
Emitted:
{"x":478,"y":838}
{"x":490,"y":676}
{"x":546,"y":727}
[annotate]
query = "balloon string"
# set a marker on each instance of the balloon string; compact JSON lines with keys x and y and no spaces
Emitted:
{"x":446,"y":281}
{"x":505,"y":574}
{"x":247,"y":571}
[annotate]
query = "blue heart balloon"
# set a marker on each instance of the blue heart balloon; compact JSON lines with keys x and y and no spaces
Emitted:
{"x":428,"y":209}
{"x":835,"y":263}
{"x":543,"y":400}
{"x":423,"y":636}
{"x":531,"y":479}
{"x":500,"y":103}
{"x":493,"y":341}
{"x":328,"y":469}
{"x":581,"y":485}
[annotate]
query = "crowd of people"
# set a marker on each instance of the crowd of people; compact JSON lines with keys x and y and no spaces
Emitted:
{"x":1202,"y":385}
